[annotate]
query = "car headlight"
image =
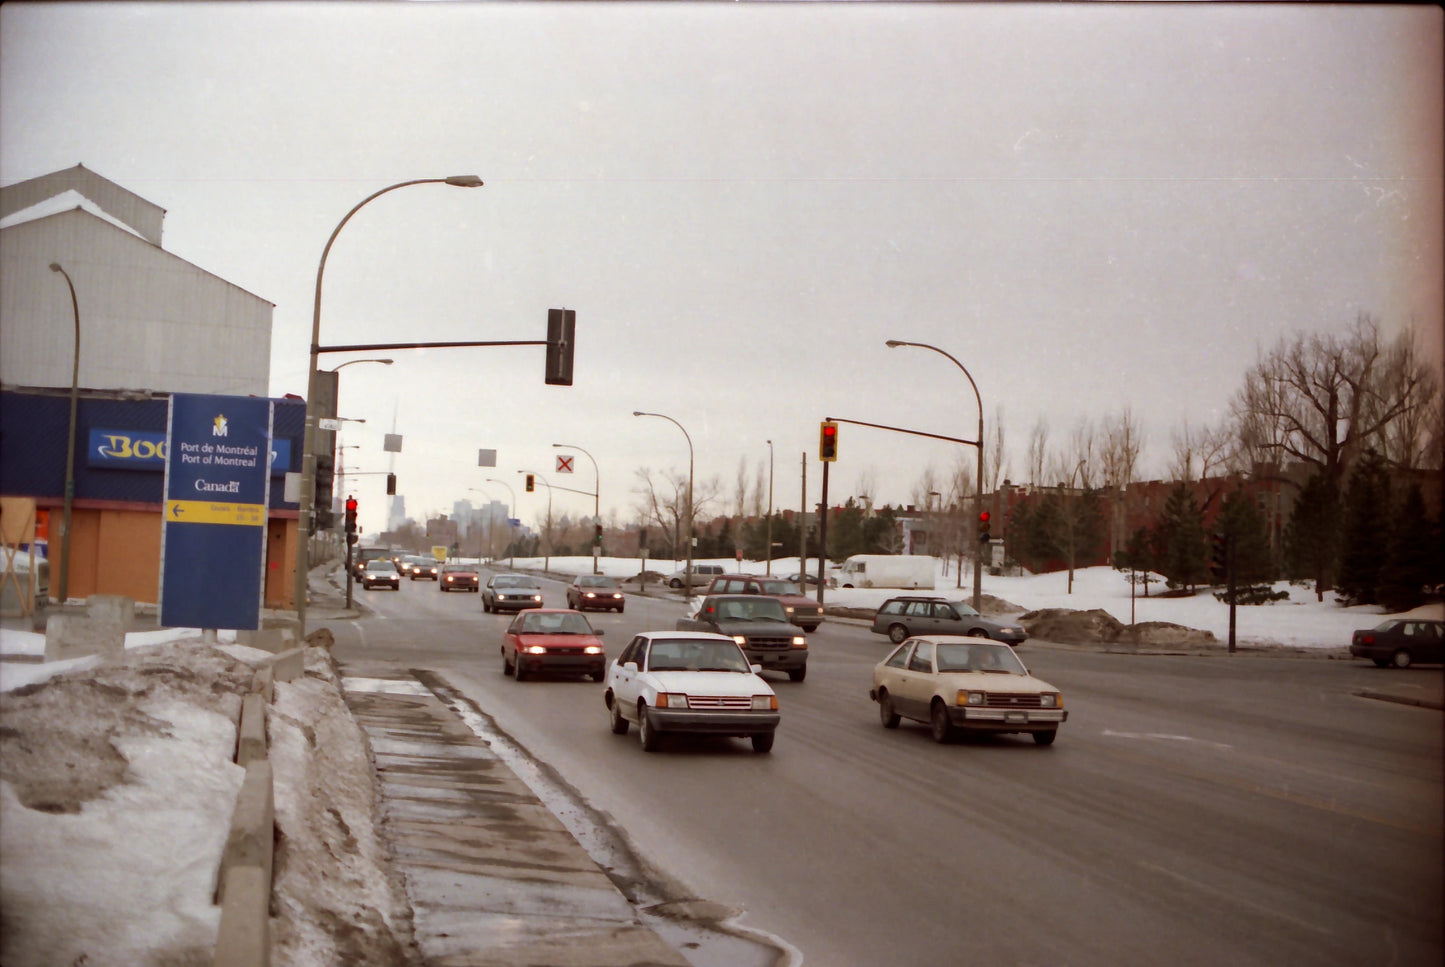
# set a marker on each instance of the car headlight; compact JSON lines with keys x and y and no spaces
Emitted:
{"x":592,"y":650}
{"x":537,"y":598}
{"x":1051,"y":700}
{"x":971,"y":698}
{"x":671,"y":700}
{"x":741,"y":640}
{"x":590,"y":594}
{"x":799,"y":641}
{"x":788,"y":609}
{"x":765,"y":703}
{"x":535,"y":650}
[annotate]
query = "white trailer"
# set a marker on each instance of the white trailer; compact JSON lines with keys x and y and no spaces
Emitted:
{"x":908,"y":571}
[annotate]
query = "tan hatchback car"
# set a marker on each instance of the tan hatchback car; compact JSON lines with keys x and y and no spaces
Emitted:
{"x":802,"y":611}
{"x":954,"y":684}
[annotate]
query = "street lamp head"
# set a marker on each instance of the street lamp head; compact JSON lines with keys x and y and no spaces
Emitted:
{"x":894,"y":343}
{"x":464,"y":181}
{"x":638,"y":413}
{"x":55,"y":267}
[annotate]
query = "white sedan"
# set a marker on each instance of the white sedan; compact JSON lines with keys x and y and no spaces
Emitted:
{"x":689,"y":681}
{"x":957,"y":683}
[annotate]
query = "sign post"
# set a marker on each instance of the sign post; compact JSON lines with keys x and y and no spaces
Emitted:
{"x":217,"y":490}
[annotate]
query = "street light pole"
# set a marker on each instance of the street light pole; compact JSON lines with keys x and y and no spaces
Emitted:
{"x":596,"y":496}
{"x":769,"y":569}
{"x":63,"y":590}
{"x":511,"y":560}
{"x":687,"y":574}
{"x":307,"y":497}
{"x":978,"y":551}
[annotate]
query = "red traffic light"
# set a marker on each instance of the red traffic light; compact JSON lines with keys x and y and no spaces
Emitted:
{"x":351,"y":505}
{"x":983,"y":516}
{"x":828,"y":441}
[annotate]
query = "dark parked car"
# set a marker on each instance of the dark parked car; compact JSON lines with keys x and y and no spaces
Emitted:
{"x":911,"y":614}
{"x":552,"y":640}
{"x":1401,"y":642}
{"x":597,"y":591}
{"x":459,"y":577}
{"x":511,"y":592}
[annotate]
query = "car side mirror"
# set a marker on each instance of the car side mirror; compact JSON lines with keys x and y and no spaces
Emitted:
{"x":599,"y":632}
{"x":756,"y":669}
{"x":629,"y":666}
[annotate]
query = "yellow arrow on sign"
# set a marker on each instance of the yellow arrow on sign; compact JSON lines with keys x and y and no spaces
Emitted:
{"x":210,"y":512}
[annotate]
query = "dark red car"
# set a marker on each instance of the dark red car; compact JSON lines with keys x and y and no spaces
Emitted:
{"x":553,"y":640}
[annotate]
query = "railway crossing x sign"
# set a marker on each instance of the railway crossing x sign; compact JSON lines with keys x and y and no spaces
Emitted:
{"x":564,"y":464}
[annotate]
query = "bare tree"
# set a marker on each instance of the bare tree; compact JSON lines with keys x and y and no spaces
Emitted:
{"x":1038,"y":452}
{"x":1324,"y":400}
{"x":995,"y":468}
{"x":740,"y":488}
{"x":1118,"y":460}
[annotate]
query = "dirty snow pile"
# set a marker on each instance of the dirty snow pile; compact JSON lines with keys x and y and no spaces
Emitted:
{"x":117,"y":793}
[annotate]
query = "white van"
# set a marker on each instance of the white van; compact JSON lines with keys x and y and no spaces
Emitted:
{"x":888,"y":571}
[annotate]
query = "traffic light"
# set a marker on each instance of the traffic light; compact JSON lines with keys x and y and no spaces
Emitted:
{"x":561,"y":328}
{"x":828,"y":441}
{"x":324,"y":518}
{"x":599,"y":533}
{"x":1219,"y":553}
{"x":984,"y":519}
{"x":325,"y":475}
{"x":391,"y":485}
{"x":531,"y":483}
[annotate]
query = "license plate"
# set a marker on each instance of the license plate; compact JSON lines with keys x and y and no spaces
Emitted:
{"x":1016,"y":717}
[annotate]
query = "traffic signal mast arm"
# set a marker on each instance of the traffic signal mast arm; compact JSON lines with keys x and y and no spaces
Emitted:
{"x":899,"y":429}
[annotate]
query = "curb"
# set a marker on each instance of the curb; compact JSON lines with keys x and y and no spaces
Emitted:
{"x":1401,"y":699}
{"x":243,"y":880}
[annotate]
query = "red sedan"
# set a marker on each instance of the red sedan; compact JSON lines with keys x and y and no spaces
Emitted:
{"x":552,"y":640}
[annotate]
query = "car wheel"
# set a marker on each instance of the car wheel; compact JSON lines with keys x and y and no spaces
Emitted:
{"x":886,"y":714}
{"x":978,"y":633}
{"x":599,"y":675}
{"x":1401,"y":659}
{"x":674,"y":583}
{"x":938,"y":722}
{"x":798,"y":674}
{"x":645,"y":731}
{"x":507,"y":668}
{"x":619,"y":724}
{"x":486,"y":606}
{"x":810,"y":628}
{"x":763,"y":742}
{"x":619,"y":609}
{"x":1046,"y":738}
{"x":521,"y":671}
{"x":896,"y":634}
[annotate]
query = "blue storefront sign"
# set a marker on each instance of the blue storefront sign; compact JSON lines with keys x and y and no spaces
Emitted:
{"x":146,"y":450}
{"x":217,"y":488}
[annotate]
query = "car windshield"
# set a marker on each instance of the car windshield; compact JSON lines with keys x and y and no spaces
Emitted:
{"x":596,"y":582}
{"x":751,"y":609}
{"x":779,"y":587}
{"x":511,"y":581}
{"x":697,"y":656}
{"x":995,"y":659}
{"x":380,"y":566}
{"x":559,"y":623}
{"x":459,"y":569}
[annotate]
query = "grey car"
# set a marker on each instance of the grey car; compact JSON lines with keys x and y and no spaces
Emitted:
{"x":511,"y":592}
{"x":908,"y":615}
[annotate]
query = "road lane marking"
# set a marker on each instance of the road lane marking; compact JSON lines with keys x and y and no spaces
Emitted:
{"x":1234,"y":898}
{"x":1165,"y":736}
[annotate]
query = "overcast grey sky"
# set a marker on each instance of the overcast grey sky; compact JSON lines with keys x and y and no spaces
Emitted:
{"x":1091,"y":206}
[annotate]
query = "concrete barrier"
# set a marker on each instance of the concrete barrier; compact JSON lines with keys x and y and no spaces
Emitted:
{"x":267,"y":639}
{"x":244,"y":937}
{"x":251,"y":736}
{"x":77,"y":635}
{"x":251,"y":840}
{"x":289,"y":665}
{"x":111,"y":609}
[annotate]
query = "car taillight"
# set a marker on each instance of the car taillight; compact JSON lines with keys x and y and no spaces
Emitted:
{"x":1367,"y":640}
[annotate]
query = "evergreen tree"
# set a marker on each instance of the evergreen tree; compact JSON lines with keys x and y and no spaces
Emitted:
{"x":1312,"y":536}
{"x":1411,"y":561}
{"x":1242,"y":522}
{"x":1365,"y":536}
{"x":1181,"y":526}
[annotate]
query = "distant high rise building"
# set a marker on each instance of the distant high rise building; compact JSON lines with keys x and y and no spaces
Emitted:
{"x":396,"y":513}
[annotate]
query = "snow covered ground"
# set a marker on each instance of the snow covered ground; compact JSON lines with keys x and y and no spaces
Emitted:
{"x":114,"y":861}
